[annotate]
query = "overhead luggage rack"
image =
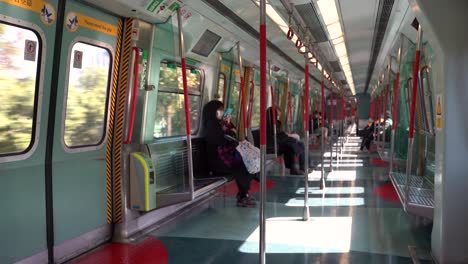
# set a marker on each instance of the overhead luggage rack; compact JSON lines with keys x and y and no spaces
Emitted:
{"x":418,"y":199}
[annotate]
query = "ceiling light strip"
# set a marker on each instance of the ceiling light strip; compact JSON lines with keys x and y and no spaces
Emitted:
{"x":329,"y":13}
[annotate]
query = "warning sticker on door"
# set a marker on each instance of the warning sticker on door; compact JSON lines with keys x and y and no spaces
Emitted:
{"x":46,"y":10}
{"x":30,"y":50}
{"x":72,"y":22}
{"x":76,"y":20}
{"x":48,"y":15}
{"x":439,"y":112}
{"x":78,"y":59}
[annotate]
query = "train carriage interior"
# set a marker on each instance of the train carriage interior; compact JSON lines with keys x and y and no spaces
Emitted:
{"x":218,"y":131}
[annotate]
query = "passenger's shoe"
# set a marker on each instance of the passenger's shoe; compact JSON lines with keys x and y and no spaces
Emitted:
{"x":309,"y":170}
{"x":246,"y":201}
{"x":296,"y":172}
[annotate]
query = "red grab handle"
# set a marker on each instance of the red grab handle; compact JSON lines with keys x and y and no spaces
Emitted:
{"x":134,"y":96}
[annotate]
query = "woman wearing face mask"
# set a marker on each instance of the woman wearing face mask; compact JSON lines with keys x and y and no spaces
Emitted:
{"x":222,"y":151}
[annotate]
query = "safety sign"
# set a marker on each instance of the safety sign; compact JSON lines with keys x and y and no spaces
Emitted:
{"x":78,"y":59}
{"x":30,"y":50}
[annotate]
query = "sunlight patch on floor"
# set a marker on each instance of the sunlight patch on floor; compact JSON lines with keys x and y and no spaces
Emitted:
{"x":341,"y":165}
{"x":333,"y":190}
{"x":326,"y":201}
{"x":341,"y":175}
{"x":345,"y":155}
{"x":292,"y":235}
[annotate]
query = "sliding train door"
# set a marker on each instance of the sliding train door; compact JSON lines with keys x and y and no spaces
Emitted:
{"x":80,"y":192}
{"x":27,"y":33}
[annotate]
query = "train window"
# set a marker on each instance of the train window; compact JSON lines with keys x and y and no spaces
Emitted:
{"x":256,"y":108}
{"x":221,"y":87}
{"x":233,"y":101}
{"x":19,"y":60}
{"x":88,"y":87}
{"x":170,"y":111}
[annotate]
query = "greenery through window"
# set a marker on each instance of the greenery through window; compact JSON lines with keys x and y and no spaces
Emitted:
{"x":170,"y":109}
{"x":85,"y":119}
{"x":256,"y":108}
{"x":18,"y":73}
{"x":221,"y":84}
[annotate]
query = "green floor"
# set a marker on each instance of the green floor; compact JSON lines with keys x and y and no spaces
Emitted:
{"x":349,"y":223}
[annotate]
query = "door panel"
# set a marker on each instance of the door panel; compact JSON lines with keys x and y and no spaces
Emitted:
{"x":23,"y":117}
{"x":22,"y":193}
{"x":79,"y":156}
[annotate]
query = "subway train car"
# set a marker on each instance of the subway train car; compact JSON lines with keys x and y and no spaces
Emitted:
{"x":338,"y":124}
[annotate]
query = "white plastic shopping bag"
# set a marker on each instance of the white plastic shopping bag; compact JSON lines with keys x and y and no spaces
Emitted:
{"x":250,"y":155}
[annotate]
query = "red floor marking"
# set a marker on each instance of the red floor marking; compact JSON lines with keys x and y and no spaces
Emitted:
{"x":378,"y":162}
{"x":387,"y":192}
{"x":230,"y":189}
{"x":149,"y":251}
{"x":373,"y":148}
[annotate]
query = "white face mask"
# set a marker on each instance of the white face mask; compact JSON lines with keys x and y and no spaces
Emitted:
{"x":219,"y":114}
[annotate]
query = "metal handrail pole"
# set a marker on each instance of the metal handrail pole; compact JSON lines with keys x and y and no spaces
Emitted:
{"x":306,"y":141}
{"x":409,"y":162}
{"x":186,"y":103}
{"x":322,"y":123}
{"x":263,"y":85}
{"x":386,"y":100}
{"x":273,"y":109}
{"x":395,"y":107}
{"x":331,"y":128}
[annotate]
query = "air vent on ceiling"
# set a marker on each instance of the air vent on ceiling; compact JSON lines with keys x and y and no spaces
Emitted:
{"x":309,"y":15}
{"x":383,"y":16}
{"x":206,"y":44}
{"x":335,"y":65}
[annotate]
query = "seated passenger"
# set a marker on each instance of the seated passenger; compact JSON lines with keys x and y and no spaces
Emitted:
{"x":367,"y":135}
{"x":222,"y":154}
{"x":327,"y":128}
{"x":316,"y":120}
{"x":317,"y":124}
{"x":288,"y":145}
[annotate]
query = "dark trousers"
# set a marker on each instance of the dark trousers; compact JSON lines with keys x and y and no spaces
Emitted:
{"x":366,"y":143}
{"x":293,"y":152}
{"x":241,"y":175}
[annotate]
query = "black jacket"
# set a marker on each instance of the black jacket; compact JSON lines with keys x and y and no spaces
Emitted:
{"x":368,"y":132}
